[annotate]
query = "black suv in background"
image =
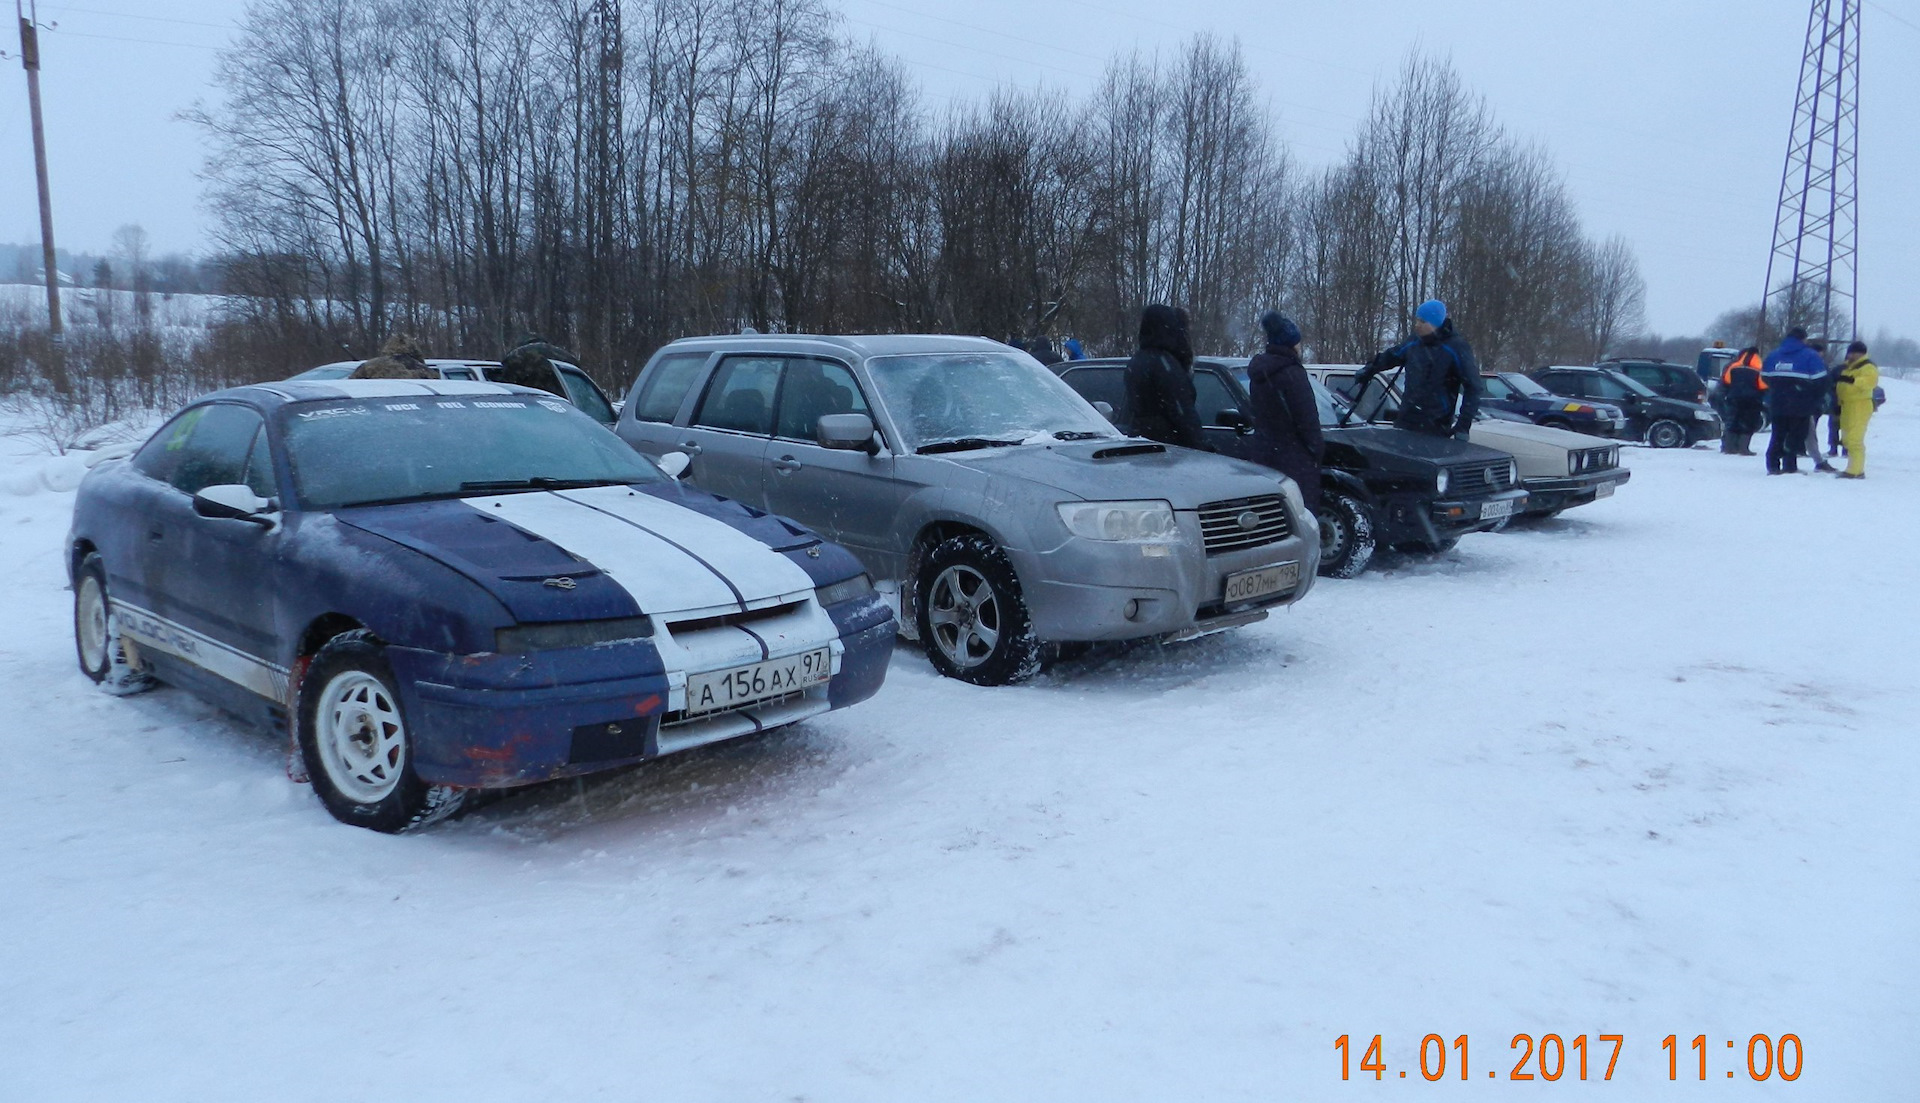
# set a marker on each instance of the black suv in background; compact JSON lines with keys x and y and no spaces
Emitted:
{"x":1660,"y":421}
{"x":1662,"y":378}
{"x":1378,"y":485}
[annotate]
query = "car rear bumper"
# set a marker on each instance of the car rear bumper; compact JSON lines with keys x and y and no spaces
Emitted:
{"x":497,"y":721}
{"x":1553,"y":495}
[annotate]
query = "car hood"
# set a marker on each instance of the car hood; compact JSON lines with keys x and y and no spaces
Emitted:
{"x":600,"y":552}
{"x":1420,"y":448}
{"x":1500,"y":434}
{"x":1115,"y":468}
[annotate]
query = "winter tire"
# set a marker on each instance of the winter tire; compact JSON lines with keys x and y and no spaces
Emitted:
{"x":1667,"y":434}
{"x":356,"y":744}
{"x":971,"y":616}
{"x":1346,"y":536}
{"x":1557,"y":423}
{"x":104,"y":655}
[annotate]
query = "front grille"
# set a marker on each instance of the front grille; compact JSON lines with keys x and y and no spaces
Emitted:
{"x":733,"y":620}
{"x":1244,"y":523}
{"x":1480,"y":478}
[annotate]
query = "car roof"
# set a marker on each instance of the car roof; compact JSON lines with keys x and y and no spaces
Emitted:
{"x":322,"y":390}
{"x":857,"y":346}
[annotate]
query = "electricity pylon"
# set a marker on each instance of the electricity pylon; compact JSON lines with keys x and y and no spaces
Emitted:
{"x":1812,"y":274}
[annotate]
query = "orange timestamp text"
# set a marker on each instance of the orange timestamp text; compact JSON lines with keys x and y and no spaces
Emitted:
{"x":1556,"y":1057}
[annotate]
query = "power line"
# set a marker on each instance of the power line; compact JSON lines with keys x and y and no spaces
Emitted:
{"x":1893,"y":15}
{"x":148,"y":18}
{"x":143,"y":41}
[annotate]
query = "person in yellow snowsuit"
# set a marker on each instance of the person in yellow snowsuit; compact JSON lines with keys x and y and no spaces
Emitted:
{"x":1858,"y":377}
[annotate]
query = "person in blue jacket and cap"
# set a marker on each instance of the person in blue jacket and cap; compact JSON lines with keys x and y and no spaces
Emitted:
{"x":1796,"y":375}
{"x":1440,"y":388}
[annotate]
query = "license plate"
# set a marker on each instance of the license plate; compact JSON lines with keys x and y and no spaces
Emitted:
{"x":1604,"y":490}
{"x":1490,"y":511}
{"x":1248,"y":585}
{"x":742,"y":685}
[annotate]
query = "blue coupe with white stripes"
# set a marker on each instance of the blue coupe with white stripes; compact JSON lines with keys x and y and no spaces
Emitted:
{"x":438,"y":587}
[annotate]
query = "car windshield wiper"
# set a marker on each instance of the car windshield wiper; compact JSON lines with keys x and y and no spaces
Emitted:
{"x":537,"y":482}
{"x":963,"y":444}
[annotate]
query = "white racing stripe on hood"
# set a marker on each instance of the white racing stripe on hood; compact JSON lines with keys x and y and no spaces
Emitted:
{"x":603,"y":525}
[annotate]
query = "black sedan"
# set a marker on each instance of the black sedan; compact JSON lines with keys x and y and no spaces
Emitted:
{"x":1660,"y":421}
{"x":1517,"y":394}
{"x":1378,"y":485}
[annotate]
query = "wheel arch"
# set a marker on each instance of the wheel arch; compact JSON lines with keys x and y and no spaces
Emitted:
{"x":77,"y":554}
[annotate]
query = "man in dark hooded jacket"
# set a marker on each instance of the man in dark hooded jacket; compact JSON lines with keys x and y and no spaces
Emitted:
{"x":1440,"y":388}
{"x":1796,"y":376}
{"x":1160,"y":397}
{"x":1286,"y":418}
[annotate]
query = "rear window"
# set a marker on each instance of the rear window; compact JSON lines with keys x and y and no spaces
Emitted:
{"x":662,"y":390}
{"x":392,"y":450}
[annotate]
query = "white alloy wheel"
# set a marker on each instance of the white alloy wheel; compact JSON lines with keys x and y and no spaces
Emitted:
{"x":90,"y":624}
{"x":965,"y":615}
{"x":362,"y":740}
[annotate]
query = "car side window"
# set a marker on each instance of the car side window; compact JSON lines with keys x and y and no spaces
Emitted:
{"x":456,"y":373}
{"x":587,"y":396}
{"x":812,"y":390}
{"x":1602,"y":387}
{"x":1570,"y":385}
{"x":741,"y":395}
{"x":216,"y":448}
{"x":666,"y":386}
{"x":1108,"y":385}
{"x":260,"y":478}
{"x":160,"y":455}
{"x":1211,"y":396}
{"x":1497,"y":388}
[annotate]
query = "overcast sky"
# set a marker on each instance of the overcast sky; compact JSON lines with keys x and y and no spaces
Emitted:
{"x":1669,"y":116}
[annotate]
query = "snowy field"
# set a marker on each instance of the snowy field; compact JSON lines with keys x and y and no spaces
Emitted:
{"x":1649,"y":769}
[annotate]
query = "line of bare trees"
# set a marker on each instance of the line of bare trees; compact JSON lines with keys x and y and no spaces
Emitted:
{"x":613,"y":175}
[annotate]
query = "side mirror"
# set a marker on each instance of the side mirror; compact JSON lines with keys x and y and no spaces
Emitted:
{"x":845,"y":433}
{"x":1104,"y":409}
{"x":233,"y":502}
{"x":675,"y":464}
{"x":1233,"y":419}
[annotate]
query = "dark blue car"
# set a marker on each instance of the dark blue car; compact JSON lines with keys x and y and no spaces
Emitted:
{"x":437,"y":587}
{"x":1517,"y":394}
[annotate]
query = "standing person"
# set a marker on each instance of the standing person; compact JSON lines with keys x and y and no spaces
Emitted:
{"x":1074,"y":349}
{"x":1745,"y":396}
{"x":1161,"y":404}
{"x":1829,"y":407}
{"x":1859,"y":378}
{"x":1796,"y":380}
{"x":1441,"y":374}
{"x":1286,"y":419}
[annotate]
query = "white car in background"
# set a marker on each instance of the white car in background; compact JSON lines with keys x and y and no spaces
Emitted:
{"x":1559,"y":468}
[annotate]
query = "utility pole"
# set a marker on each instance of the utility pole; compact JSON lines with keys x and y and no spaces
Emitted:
{"x":1813,"y":275}
{"x":30,"y":61}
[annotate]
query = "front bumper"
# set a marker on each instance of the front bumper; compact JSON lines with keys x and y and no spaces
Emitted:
{"x":1431,"y":522}
{"x":1553,"y":495}
{"x":1084,"y":590}
{"x":497,"y":721}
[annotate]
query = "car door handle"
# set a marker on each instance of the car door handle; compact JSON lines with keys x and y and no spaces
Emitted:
{"x":690,"y":447}
{"x":787,"y":465}
{"x":156,"y":534}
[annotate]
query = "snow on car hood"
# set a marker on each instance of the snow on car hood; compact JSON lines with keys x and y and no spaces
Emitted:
{"x":617,"y":546}
{"x":1124,"y":468}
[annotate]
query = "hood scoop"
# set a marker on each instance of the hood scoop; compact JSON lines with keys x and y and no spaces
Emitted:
{"x":1124,"y":450}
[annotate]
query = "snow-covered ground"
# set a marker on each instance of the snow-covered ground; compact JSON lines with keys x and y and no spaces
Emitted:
{"x":1646,"y":770}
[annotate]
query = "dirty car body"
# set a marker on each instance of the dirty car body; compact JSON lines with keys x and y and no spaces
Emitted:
{"x":973,"y":440}
{"x":537,"y":626}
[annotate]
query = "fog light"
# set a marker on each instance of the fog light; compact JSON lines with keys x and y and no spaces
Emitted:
{"x":1133,"y":609}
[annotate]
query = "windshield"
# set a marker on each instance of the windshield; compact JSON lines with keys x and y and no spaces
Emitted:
{"x":988,"y":397}
{"x":395,"y":450}
{"x":1330,"y":405}
{"x":1524,"y":385}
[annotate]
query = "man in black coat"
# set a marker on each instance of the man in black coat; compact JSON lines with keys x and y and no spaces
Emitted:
{"x":1160,"y":395}
{"x":1286,"y":418}
{"x":1440,"y":388}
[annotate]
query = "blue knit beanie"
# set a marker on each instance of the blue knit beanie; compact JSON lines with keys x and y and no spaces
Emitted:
{"x":1433,"y":312}
{"x":1280,"y":329}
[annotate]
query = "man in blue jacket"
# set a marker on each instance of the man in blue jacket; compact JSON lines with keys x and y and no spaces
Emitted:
{"x":1796,"y":376}
{"x":1440,"y":388}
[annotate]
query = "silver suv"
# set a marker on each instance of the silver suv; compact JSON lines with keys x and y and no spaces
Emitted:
{"x":996,"y":509}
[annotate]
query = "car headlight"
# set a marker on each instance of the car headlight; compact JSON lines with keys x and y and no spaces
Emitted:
{"x":851,"y":589}
{"x":1440,"y":482}
{"x":1129,"y":522}
{"x":1703,"y":415}
{"x":1513,"y":472}
{"x":1573,"y":463}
